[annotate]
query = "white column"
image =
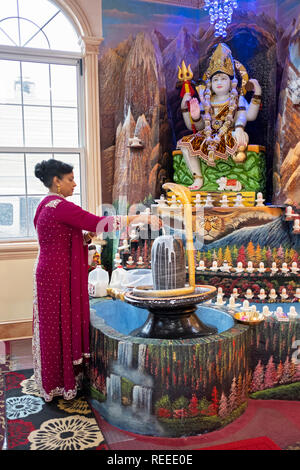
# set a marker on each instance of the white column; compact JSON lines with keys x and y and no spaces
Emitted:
{"x":92,"y":127}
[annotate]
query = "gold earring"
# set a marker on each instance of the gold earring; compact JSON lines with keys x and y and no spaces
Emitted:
{"x":58,"y":188}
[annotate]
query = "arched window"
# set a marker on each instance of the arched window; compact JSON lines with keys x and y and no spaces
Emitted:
{"x":41,"y":100}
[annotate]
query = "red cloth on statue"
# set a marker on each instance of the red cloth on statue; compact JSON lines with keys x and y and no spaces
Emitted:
{"x":61,"y":303}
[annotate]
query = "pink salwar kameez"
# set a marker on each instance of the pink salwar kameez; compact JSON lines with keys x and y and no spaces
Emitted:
{"x":61,"y":302}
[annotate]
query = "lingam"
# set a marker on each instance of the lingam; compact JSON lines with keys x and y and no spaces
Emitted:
{"x":170,"y":302}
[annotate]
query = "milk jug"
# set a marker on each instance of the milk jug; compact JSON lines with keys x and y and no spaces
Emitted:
{"x":118,"y":277}
{"x":98,"y":282}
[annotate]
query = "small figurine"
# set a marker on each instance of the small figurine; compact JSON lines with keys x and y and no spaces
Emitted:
{"x":220,"y":291}
{"x":280,"y":315}
{"x":297,"y":294}
{"x":135,"y":142}
{"x":220,"y":300}
{"x":250,"y":267}
{"x":214,"y":266}
{"x":284,"y":268}
{"x":239,"y":268}
{"x":161,"y":201}
{"x":296,"y":226}
{"x":292,"y":312}
{"x":289,"y":211}
{"x":246,"y":306}
{"x":198,"y":201}
{"x":130,"y":261}
{"x":272,"y":295}
{"x":224,"y":201}
{"x":140,"y":261}
{"x":225,"y":268}
{"x":266,"y":311}
{"x":259,"y":200}
{"x":262,"y":294}
{"x":294,"y":268}
{"x":261,"y":268}
{"x":283,"y":294}
{"x":201,"y":266}
{"x":235,"y":293}
{"x":249,"y":294}
{"x":239,"y":201}
{"x":117,"y":260}
{"x":274,"y":268}
{"x":208,"y":201}
{"x":173,"y":203}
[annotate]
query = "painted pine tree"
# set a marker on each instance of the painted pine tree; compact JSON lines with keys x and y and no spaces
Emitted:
{"x":232,"y":400}
{"x":286,"y":373}
{"x":270,"y":374}
{"x":223,"y":407}
{"x":257,"y":378}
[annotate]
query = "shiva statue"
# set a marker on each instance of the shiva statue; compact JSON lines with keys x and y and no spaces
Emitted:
{"x":219,"y":118}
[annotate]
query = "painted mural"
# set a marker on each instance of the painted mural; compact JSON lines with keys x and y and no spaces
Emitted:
{"x":168,"y":387}
{"x":144,"y":43}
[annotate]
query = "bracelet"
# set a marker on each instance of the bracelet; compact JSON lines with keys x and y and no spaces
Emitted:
{"x":258,"y":97}
{"x":184,"y":110}
{"x":241,"y":108}
{"x":255,"y":101}
{"x":239,"y":125}
{"x":197,"y":120}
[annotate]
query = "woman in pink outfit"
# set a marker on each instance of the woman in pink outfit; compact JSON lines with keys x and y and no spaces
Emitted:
{"x":61,"y":301}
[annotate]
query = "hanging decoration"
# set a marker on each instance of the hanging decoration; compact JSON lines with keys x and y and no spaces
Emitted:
{"x":220,"y":12}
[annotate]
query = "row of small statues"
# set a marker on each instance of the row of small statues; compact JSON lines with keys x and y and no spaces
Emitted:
{"x":266,"y":312}
{"x":249,"y":295}
{"x":250,"y":268}
{"x":208,"y":201}
{"x":284,"y":269}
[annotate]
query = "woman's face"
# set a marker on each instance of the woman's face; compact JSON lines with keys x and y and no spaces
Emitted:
{"x":220,"y":84}
{"x":67,"y":184}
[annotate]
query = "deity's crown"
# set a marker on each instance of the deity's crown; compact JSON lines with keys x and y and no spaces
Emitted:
{"x":221,"y":61}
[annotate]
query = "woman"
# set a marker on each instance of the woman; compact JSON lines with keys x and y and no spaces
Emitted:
{"x":219,"y":119}
{"x":61,"y":301}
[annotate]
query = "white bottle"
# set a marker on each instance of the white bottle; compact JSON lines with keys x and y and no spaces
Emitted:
{"x":118,"y":278}
{"x":98,"y":282}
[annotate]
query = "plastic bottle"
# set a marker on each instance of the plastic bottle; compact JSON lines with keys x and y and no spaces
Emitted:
{"x":98,"y":282}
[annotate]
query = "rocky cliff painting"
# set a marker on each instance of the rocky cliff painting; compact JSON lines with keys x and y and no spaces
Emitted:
{"x":144,"y":42}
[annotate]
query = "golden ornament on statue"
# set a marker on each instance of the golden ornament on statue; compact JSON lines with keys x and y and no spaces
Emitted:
{"x":241,"y":156}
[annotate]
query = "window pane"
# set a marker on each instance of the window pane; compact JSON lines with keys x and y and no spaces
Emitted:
{"x":61,"y":34}
{"x":10,"y":82}
{"x":64,"y":85}
{"x":11,"y":129}
{"x":32,"y":203}
{"x":8,"y":9}
{"x":36,"y":84}
{"x":74,"y":160}
{"x":39,"y":12}
{"x":10,"y":226}
{"x":12,"y":174}
{"x":37,"y":126}
{"x":34,"y":185}
{"x":9,"y":27}
{"x":65,"y":127}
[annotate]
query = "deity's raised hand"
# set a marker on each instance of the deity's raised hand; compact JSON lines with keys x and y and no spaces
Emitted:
{"x":194,"y":108}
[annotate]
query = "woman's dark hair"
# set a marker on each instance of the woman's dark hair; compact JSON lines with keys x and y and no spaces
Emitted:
{"x":47,"y":169}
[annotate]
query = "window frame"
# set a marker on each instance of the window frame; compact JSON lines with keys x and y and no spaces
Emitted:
{"x":24,"y":54}
{"x":90,"y":37}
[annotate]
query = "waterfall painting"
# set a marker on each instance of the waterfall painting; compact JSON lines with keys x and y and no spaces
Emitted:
{"x":169,"y":388}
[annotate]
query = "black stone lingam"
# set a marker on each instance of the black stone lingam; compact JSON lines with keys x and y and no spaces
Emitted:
{"x":170,"y":316}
